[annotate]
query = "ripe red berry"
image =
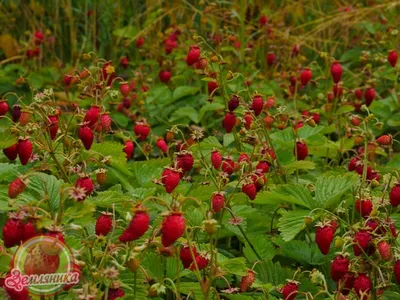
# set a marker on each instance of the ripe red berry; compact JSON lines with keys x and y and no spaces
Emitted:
{"x":364,"y":207}
{"x":233,"y":103}
{"x":162,"y":145}
{"x":193,"y":55}
{"x":212,"y":86}
{"x":392,"y":58}
{"x":137,"y":227}
{"x":3,"y":107}
{"x":397,"y":271}
{"x":86,"y":135}
{"x":384,"y":140}
{"x":164,"y":76}
{"x":24,"y":150}
{"x":262,"y":166}
{"x":216,"y":159}
{"x":103,"y":224}
{"x":324,"y":237}
{"x":250,"y":190}
{"x":358,"y":93}
{"x":13,"y":232}
{"x":336,"y":71}
{"x":128,"y":149}
{"x":142,"y":130}
{"x":124,"y":62}
{"x":114,"y":294}
{"x":85,"y":183}
{"x":184,"y":161}
{"x":228,"y":165}
{"x":170,"y":179}
{"x":243,"y":157}
{"x":229,"y":122}
{"x":346,"y":284}
{"x":290,"y":290}
{"x":29,"y":231}
{"x":247,"y":280}
{"x":172,"y":228}
{"x":355,"y":120}
{"x":362,"y":286}
{"x":11,"y":152}
{"x":92,"y":115}
{"x":301,"y":151}
{"x":218,"y":201}
{"x":16,"y":187}
{"x":53,"y":126}
{"x":125,"y":89}
{"x":305,"y":76}
{"x":105,"y":121}
{"x":39,"y":36}
{"x":394,"y":195}
{"x":139,"y":42}
{"x":201,"y":261}
{"x":263,"y":20}
{"x":257,"y":104}
{"x":271,"y":102}
{"x":186,"y":255}
{"x":106,"y":74}
{"x":270,"y":58}
{"x":337,"y":90}
{"x":361,"y":241}
{"x":369,"y":96}
{"x":384,"y":250}
{"x":339,"y":267}
{"x":248,"y":120}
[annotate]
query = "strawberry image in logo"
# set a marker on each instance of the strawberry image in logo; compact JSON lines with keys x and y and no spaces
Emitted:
{"x":42,"y":259}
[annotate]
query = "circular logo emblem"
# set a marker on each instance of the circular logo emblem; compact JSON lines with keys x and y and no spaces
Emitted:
{"x":44,"y":266}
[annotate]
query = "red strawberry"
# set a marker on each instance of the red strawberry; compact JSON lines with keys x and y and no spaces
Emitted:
{"x":162,"y":145}
{"x":316,"y":117}
{"x":384,"y":250}
{"x":107,"y":73}
{"x":362,"y":286}
{"x":250,"y":190}
{"x":85,"y":183}
{"x":212,"y":86}
{"x":228,"y":165}
{"x":336,"y":71}
{"x":355,"y":120}
{"x":229,"y":122}
{"x":369,"y":96}
{"x":268,"y":122}
{"x":104,"y":224}
{"x":11,"y":152}
{"x":170,"y":179}
{"x":233,"y":103}
{"x":172,"y":228}
{"x":397,"y":271}
{"x":361,"y":241}
{"x":128,"y":149}
{"x":270,"y":58}
{"x":248,"y":120}
{"x":247,"y":280}
{"x":29,"y":231}
{"x":301,"y":150}
{"x":193,"y":55}
{"x":346,"y":284}
{"x":270,"y":102}
{"x":257,"y":104}
{"x":16,"y":187}
{"x":339,"y":268}
{"x":142,"y":130}
{"x":384,"y":140}
{"x":105,"y":122}
{"x":92,"y":115}
{"x":86,"y":135}
{"x":263,"y":20}
{"x":3,"y":107}
{"x":114,"y":294}
{"x":216,"y":159}
{"x":218,"y":201}
{"x":38,"y":37}
{"x":305,"y":76}
{"x":290,"y":290}
{"x":324,"y":237}
{"x":243,"y":157}
{"x":359,"y":94}
{"x":56,"y":233}
{"x":394,"y":195}
{"x":392,"y":58}
{"x":12,"y":294}
{"x":372,"y":225}
{"x":184,"y":161}
{"x":124,"y":62}
{"x":16,"y":112}
{"x":201,"y":261}
{"x":164,"y":76}
{"x":337,"y":90}
{"x":139,"y":42}
{"x":364,"y":207}
{"x":24,"y":150}
{"x":67,"y":80}
{"x":13,"y":232}
{"x":262,"y":166}
{"x":330,"y":97}
{"x":53,"y":126}
{"x":39,"y":262}
{"x":186,"y":256}
{"x":125,"y":89}
{"x":137,"y":227}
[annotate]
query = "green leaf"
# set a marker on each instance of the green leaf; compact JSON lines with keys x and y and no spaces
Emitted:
{"x":329,"y":190}
{"x":262,"y":245}
{"x":235,"y":266}
{"x":301,"y":251}
{"x":8,"y":172}
{"x":184,"y":91}
{"x":306,"y":132}
{"x":210,"y":107}
{"x":112,"y":149}
{"x":351,"y":55}
{"x":7,"y":139}
{"x":184,"y":112}
{"x":145,"y":171}
{"x":298,"y":165}
{"x":126,"y":32}
{"x":228,"y":139}
{"x":120,"y":119}
{"x":344,"y":109}
{"x":292,"y":223}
